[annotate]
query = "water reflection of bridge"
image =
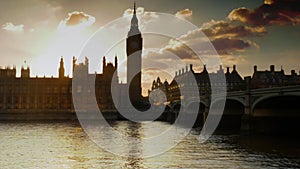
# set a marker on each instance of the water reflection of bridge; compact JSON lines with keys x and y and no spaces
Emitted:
{"x":269,"y":109}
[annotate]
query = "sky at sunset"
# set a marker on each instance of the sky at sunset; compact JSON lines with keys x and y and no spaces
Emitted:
{"x":244,"y":32}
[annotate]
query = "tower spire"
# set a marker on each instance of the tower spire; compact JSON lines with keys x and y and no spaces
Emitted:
{"x":134,"y":11}
{"x":61,"y":71}
{"x":134,"y":29}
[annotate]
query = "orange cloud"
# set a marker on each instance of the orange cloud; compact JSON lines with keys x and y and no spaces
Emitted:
{"x":218,"y":29}
{"x":226,"y":45}
{"x":78,"y":20}
{"x":254,"y":17}
{"x":184,"y":14}
{"x":272,"y":12}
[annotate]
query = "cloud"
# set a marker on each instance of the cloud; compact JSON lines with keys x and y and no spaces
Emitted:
{"x":129,"y":11}
{"x":143,"y":16}
{"x":76,"y":20}
{"x":217,"y":29}
{"x":13,"y":28}
{"x":184,"y":14}
{"x":254,"y":17}
{"x":232,"y":60}
{"x":272,"y":12}
{"x":225,"y":36}
{"x":179,"y":49}
{"x":222,"y":45}
{"x":224,"y":39}
{"x":226,"y":45}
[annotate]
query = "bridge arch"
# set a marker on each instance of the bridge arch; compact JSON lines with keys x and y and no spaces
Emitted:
{"x":192,"y":105}
{"x":199,"y":107}
{"x":276,"y":114}
{"x":240,"y":100}
{"x":265,"y":97}
{"x":232,"y":115}
{"x":232,"y":104}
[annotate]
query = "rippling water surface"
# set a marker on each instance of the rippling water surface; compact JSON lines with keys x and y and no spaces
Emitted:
{"x":65,"y":145}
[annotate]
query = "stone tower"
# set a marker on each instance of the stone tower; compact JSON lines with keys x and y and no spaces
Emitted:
{"x":134,"y":45}
{"x":61,"y":70}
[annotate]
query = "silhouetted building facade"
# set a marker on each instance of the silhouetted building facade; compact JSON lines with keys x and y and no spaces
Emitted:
{"x":44,"y":94}
{"x":234,"y":82}
{"x":27,"y":93}
{"x":182,"y":81}
{"x":273,"y":78}
{"x":101,"y":84}
{"x":157,"y":84}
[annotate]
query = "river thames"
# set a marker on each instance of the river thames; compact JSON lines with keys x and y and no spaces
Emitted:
{"x":65,"y":145}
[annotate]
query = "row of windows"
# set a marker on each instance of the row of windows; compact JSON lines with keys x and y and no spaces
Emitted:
{"x":35,"y":102}
{"x":28,"y":89}
{"x":36,"y":106}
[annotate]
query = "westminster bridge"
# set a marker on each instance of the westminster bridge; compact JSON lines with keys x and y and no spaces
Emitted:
{"x":274,"y":109}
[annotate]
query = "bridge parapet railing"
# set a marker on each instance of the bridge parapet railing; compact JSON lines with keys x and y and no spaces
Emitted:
{"x":295,"y":88}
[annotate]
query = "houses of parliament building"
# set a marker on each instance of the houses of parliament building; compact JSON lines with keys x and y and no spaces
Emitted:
{"x":27,"y":94}
{"x":30,"y":97}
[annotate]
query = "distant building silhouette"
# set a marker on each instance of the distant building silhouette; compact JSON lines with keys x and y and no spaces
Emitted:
{"x":273,"y":78}
{"x":25,"y":93}
{"x":233,"y":82}
{"x":161,"y":86}
{"x":101,"y":82}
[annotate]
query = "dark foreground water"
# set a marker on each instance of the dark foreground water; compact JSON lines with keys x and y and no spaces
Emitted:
{"x":65,"y":145}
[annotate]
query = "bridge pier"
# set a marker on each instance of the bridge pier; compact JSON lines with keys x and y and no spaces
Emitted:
{"x":205,"y":114}
{"x":246,"y":123}
{"x":246,"y":118}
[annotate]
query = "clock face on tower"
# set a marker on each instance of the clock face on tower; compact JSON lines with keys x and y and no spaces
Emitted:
{"x":134,"y":45}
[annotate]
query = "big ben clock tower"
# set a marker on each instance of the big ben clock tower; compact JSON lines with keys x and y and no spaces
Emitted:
{"x":134,"y":45}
